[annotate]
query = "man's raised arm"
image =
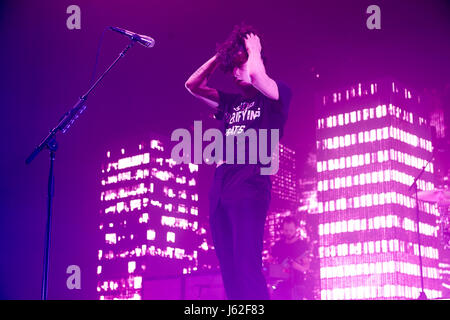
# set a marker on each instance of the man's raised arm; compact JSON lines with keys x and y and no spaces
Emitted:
{"x":257,"y":72}
{"x":197,"y":83}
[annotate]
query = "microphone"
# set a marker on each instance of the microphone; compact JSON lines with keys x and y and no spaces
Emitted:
{"x":141,"y":39}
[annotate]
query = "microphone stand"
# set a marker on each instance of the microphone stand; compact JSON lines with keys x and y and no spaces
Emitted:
{"x":50,"y":143}
{"x":422,"y":295}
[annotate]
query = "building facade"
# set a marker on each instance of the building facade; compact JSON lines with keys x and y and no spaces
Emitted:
{"x":284,"y":196}
{"x":148,"y":220}
{"x":372,"y":141}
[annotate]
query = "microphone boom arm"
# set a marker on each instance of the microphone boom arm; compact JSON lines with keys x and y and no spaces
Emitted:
{"x":50,"y":143}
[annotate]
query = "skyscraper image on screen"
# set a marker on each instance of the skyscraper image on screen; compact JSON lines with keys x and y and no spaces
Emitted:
{"x":148,"y":219}
{"x":373,"y":140}
{"x":284,"y":195}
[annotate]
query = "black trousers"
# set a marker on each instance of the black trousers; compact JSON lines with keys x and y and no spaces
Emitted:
{"x":239,"y":201}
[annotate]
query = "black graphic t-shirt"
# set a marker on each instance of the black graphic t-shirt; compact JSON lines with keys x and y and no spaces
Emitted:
{"x":283,"y":251}
{"x":238,"y":114}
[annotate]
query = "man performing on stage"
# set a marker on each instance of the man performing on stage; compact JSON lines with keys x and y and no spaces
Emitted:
{"x":240,"y":194}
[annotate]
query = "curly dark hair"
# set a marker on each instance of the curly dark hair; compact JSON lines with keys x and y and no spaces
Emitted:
{"x":232,"y":53}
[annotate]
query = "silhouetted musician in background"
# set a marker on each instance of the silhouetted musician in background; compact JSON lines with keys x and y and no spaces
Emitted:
{"x":290,"y":258}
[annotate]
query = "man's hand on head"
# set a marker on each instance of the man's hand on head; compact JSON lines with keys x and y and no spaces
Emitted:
{"x":256,"y":70}
{"x":252,"y":44}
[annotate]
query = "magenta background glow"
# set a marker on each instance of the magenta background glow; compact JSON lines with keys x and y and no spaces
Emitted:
{"x":310,"y":45}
